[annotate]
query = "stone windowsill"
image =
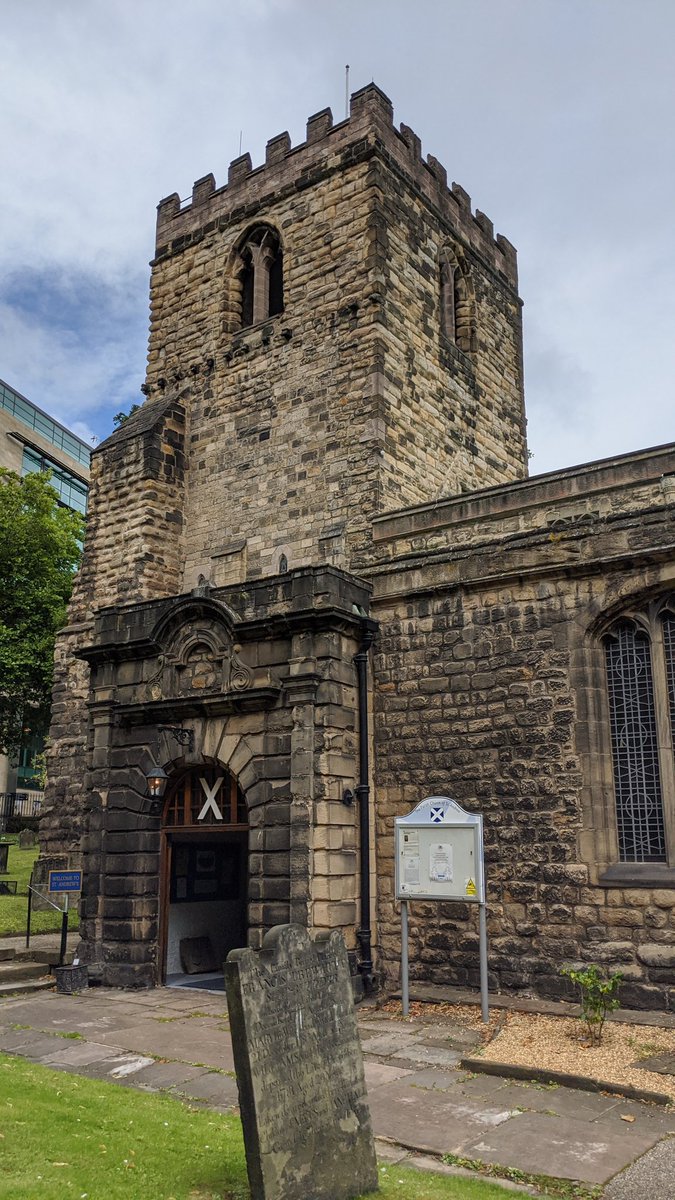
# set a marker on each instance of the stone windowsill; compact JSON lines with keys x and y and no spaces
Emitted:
{"x":636,"y":875}
{"x":251,"y":336}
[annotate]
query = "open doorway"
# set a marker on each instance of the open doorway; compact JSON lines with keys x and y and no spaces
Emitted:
{"x":204,"y":876}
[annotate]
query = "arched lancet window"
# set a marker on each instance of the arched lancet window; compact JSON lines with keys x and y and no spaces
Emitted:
{"x":635,"y":744}
{"x":458,"y":319}
{"x":261,"y":276}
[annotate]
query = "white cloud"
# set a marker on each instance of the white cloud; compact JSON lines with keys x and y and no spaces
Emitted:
{"x":556,"y":118}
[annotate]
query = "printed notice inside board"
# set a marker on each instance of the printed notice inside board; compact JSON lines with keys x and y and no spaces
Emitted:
{"x":410,"y":873}
{"x":440,"y":862}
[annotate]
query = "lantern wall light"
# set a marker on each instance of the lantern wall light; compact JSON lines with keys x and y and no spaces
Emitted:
{"x":157,"y":780}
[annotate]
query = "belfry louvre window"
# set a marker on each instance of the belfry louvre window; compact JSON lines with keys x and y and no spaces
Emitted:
{"x":640,"y":661}
{"x":261,"y":276}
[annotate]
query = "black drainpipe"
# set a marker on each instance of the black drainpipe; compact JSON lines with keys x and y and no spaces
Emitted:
{"x":363,"y":934}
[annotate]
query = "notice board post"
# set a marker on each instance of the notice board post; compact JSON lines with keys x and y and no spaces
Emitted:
{"x":439,"y":856}
{"x":64,"y":882}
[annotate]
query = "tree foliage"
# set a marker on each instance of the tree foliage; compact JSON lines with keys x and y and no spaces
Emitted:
{"x":121,"y":417}
{"x":40,"y":548}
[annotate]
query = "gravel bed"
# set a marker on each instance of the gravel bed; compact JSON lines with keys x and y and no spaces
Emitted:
{"x":555,"y":1044}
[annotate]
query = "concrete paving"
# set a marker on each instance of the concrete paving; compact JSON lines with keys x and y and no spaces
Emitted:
{"x":422,"y":1102}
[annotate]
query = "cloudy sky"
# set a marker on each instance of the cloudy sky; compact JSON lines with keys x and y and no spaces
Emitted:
{"x":555,"y":115}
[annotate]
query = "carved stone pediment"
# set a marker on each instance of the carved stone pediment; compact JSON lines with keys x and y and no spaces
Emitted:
{"x":199,"y":656}
{"x":197,"y":660}
{"x":204,"y":660}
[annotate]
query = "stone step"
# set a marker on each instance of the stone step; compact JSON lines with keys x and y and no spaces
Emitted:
{"x":20,"y":971}
{"x":21,"y":988}
{"x":6,"y":954}
{"x":49,"y":956}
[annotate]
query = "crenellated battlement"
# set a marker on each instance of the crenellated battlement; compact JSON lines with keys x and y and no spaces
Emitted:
{"x":328,"y":147}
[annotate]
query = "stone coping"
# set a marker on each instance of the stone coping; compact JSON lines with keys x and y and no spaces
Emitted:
{"x":583,"y":1083}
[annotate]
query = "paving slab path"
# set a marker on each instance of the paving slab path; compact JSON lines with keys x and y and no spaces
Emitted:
{"x":422,"y":1103}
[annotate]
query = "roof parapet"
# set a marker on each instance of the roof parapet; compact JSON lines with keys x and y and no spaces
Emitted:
{"x":319,"y":125}
{"x":371,"y":99}
{"x":277,"y":148}
{"x":202,"y":189}
{"x":239,"y":168}
{"x":369,"y":110}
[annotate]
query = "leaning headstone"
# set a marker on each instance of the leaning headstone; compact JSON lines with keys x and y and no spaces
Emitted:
{"x":27,"y":839}
{"x":297,"y":1055}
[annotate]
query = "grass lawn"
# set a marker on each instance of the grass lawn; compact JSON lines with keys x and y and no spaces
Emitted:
{"x":63,"y":1137}
{"x":13,"y":909}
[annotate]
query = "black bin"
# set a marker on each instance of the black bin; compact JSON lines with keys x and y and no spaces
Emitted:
{"x":71,"y":979}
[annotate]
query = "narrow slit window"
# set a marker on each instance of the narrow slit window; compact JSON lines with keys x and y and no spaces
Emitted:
{"x":247,"y":292}
{"x":457,"y":304}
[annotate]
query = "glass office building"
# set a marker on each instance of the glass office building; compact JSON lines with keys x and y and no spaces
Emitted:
{"x":68,"y":459}
{"x":31,"y":440}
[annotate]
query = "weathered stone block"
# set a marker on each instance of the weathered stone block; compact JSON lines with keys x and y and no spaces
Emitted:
{"x":657,"y":955}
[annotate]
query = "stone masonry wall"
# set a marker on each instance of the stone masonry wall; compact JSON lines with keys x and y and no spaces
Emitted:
{"x":488,"y":670}
{"x":284,"y":454}
{"x":133,"y":549}
{"x":454,"y":419}
{"x":350,"y":400}
{"x":287,"y":734}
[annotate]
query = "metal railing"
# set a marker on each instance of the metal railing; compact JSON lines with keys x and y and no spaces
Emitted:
{"x":18,"y":804}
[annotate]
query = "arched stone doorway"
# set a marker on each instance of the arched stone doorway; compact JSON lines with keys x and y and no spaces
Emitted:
{"x":204,"y":875}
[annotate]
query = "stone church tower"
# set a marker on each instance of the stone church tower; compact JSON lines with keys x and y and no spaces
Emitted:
{"x":334,"y":335}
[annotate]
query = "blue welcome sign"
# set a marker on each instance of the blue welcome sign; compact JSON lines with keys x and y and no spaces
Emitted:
{"x":65,"y":881}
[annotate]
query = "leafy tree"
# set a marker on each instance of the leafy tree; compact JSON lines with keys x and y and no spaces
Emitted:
{"x":40,"y":548}
{"x":121,"y":417}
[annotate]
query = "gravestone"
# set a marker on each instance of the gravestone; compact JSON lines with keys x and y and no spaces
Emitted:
{"x":297,"y":1055}
{"x":27,"y":839}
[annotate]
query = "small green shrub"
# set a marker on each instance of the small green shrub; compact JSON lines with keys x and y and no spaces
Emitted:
{"x":598,"y":998}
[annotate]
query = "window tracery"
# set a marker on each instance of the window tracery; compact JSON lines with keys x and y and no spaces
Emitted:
{"x":260,"y":276}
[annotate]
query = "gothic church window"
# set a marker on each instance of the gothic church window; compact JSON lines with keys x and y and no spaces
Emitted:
{"x":458,"y":311}
{"x":260,"y":276}
{"x":640,"y":666}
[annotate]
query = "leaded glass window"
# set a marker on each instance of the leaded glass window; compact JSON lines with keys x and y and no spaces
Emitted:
{"x":668,"y":626}
{"x":635,"y":749}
